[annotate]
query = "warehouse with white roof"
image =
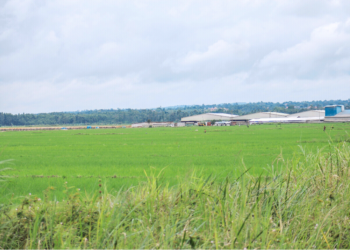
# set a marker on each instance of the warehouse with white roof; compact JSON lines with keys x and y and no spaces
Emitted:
{"x":244,"y":119}
{"x":301,"y":117}
{"x":287,"y":120}
{"x":310,"y":113}
{"x":208,"y":117}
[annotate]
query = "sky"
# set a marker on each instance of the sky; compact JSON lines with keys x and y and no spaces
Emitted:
{"x":69,"y":55}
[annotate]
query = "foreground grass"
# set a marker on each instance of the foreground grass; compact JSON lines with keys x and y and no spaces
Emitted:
{"x":304,"y":204}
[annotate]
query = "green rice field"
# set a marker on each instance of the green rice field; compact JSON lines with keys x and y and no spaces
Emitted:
{"x":120,"y":157}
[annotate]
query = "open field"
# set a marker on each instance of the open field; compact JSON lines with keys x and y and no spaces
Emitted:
{"x":119,"y":156}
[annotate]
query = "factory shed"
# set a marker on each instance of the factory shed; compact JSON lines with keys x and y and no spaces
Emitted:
{"x":336,"y":113}
{"x":343,"y":116}
{"x":287,"y":120}
{"x":208,"y":117}
{"x":310,"y":113}
{"x":244,"y":119}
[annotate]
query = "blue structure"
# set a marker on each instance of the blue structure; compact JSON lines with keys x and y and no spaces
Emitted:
{"x":332,"y":110}
{"x":88,"y":127}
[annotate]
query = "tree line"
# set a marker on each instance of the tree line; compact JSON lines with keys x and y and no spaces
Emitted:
{"x":173,"y":114}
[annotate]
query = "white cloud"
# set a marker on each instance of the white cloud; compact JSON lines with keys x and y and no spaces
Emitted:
{"x":69,"y":55}
{"x":325,"y":54}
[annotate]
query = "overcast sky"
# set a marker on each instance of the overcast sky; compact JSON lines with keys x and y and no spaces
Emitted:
{"x":70,"y":55}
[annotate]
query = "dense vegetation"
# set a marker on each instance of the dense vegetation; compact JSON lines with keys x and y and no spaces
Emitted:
{"x":174,"y":114}
{"x":303,"y":204}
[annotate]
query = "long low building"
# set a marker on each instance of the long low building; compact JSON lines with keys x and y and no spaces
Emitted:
{"x":310,"y":113}
{"x":287,"y":120}
{"x":157,"y":124}
{"x":301,"y":117}
{"x":244,"y":119}
{"x":208,"y":117}
{"x":152,"y":124}
{"x":332,"y":113}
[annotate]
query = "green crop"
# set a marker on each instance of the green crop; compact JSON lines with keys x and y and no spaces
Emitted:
{"x":119,"y":157}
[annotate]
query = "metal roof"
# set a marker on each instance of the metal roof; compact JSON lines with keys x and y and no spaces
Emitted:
{"x":222,"y":114}
{"x":208,"y":117}
{"x":274,"y":113}
{"x":345,"y":113}
{"x":286,"y":119}
{"x":259,"y":115}
{"x":309,"y":113}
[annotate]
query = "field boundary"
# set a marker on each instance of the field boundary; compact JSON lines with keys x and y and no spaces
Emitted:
{"x":61,"y":128}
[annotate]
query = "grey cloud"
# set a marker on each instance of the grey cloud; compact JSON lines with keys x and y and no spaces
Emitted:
{"x":68,"y":55}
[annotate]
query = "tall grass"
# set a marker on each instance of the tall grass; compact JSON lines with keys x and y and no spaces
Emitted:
{"x":304,"y":204}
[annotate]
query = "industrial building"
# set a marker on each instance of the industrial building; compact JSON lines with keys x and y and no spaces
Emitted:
{"x":287,"y":120}
{"x":140,"y":125}
{"x":336,"y":113}
{"x":152,"y":124}
{"x":302,"y":117}
{"x":310,"y":113}
{"x":157,"y":124}
{"x":225,"y":123}
{"x":244,"y":119}
{"x":208,"y":117}
{"x":332,"y":113}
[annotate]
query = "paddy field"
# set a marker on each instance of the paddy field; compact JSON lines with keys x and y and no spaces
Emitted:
{"x":120,"y":158}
